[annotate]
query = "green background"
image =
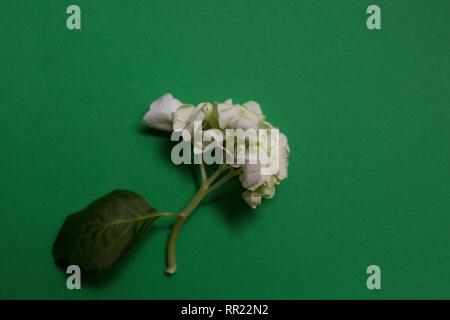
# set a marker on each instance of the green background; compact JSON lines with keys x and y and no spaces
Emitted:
{"x":366,"y":114}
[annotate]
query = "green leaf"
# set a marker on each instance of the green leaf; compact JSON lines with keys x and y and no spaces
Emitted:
{"x":98,"y":236}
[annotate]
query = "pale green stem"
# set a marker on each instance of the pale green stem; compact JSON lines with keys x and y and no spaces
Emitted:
{"x":171,"y":261}
{"x":224,"y":179}
{"x":206,"y":188}
{"x":203,"y":172}
{"x":215,"y":175}
{"x":163,"y":214}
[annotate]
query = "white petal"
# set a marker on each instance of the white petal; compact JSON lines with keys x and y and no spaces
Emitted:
{"x":237,"y":117}
{"x":182,"y":116}
{"x":267,"y":190}
{"x":284,"y":142}
{"x":228,"y":101}
{"x":252,"y":199}
{"x":228,"y":115}
{"x":185,"y":116}
{"x":245,"y":123}
{"x":251,"y":177}
{"x":160,"y":112}
{"x":266,"y":125}
{"x":253,"y":106}
{"x":249,"y":114}
{"x":283,"y":170}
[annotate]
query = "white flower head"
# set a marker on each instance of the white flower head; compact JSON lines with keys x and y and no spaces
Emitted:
{"x":214,"y":119}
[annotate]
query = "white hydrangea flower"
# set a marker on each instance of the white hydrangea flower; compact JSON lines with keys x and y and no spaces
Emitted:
{"x":160,"y":112}
{"x":168,"y":113}
{"x":259,"y":157}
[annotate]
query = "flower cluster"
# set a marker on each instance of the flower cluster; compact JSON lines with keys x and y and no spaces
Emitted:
{"x":169,"y":114}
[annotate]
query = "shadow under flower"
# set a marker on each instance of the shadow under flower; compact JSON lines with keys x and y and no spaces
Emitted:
{"x":227,"y":199}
